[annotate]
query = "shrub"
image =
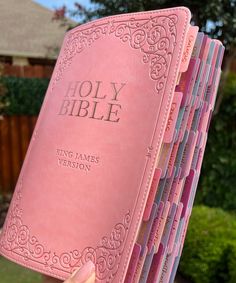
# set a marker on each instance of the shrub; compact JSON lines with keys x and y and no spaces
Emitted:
{"x":209,"y":254}
{"x":22,"y":96}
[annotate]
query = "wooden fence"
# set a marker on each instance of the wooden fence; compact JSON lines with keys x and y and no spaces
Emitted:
{"x":35,"y":71}
{"x":15,"y":134}
{"x":16,"y":131}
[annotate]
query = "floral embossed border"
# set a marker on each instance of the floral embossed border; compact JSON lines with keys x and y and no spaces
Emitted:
{"x":17,"y":239}
{"x":155,"y":37}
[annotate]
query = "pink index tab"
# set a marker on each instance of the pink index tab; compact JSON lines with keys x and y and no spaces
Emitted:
{"x":205,"y":48}
{"x":203,"y":84}
{"x":174,"y":228}
{"x":165,"y":156}
{"x":189,"y":44}
{"x":203,"y":119}
{"x":167,"y":266}
{"x":213,"y":64}
{"x":193,"y":79}
{"x":168,"y":186}
{"x":201,"y":155}
{"x":139,"y":267}
{"x":178,"y":191}
{"x":187,"y":80}
{"x":173,"y":157}
{"x":199,"y":144}
{"x":188,"y":154}
{"x":174,"y":111}
{"x":145,"y":229}
{"x":187,"y":191}
{"x":214,"y":88}
{"x":155,"y":226}
{"x":191,"y":115}
{"x":133,"y":263}
{"x":174,"y":186}
{"x":161,"y":225}
{"x":206,"y":119}
{"x":220,"y":54}
{"x":152,"y":193}
{"x":184,"y":232}
{"x":156,"y":265}
{"x":197,"y":45}
{"x":183,"y":125}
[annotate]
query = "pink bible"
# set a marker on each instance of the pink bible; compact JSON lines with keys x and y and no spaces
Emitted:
{"x":96,"y":182}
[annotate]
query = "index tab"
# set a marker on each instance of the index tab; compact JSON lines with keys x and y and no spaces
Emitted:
{"x":146,"y":267}
{"x":152,"y":194}
{"x":139,"y":267}
{"x":155,"y":226}
{"x":174,"y":228}
{"x":145,"y":229}
{"x":220,"y":55}
{"x":156,"y":265}
{"x":133,"y":263}
{"x":171,"y":122}
{"x":189,"y":44}
{"x":197,"y":45}
{"x":205,"y":49}
{"x":187,"y":192}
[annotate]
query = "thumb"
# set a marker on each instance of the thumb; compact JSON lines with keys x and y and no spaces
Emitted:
{"x":86,"y":274}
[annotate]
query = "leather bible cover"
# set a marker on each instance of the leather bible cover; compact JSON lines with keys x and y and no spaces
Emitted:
{"x":83,"y":187}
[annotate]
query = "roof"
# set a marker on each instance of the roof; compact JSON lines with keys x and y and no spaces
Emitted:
{"x":27,"y":30}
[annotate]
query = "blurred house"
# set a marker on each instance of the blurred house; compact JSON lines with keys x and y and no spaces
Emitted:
{"x":30,"y":39}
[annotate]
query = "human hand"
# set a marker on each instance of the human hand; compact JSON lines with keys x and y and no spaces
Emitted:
{"x":86,"y":274}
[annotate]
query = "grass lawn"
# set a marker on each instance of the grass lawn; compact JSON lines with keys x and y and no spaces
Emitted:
{"x":13,"y":273}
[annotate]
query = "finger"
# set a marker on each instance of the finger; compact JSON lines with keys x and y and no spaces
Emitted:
{"x":86,"y":274}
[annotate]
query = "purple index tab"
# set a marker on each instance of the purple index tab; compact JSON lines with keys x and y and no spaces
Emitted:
{"x":133,"y":263}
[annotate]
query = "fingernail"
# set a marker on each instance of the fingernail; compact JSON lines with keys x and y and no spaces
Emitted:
{"x":84,"y":272}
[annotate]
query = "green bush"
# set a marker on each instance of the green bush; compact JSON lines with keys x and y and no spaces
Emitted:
{"x":209,"y":254}
{"x":218,"y":178}
{"x":22,"y":96}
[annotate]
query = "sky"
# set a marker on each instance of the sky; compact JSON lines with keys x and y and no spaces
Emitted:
{"x":52,"y":4}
